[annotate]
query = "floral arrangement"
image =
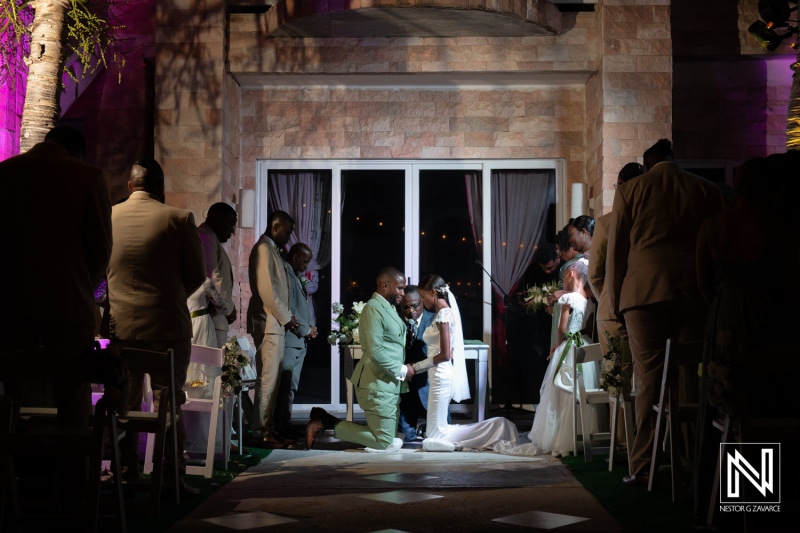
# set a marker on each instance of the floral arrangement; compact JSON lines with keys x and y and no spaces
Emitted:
{"x":348,"y":324}
{"x":536,"y":296}
{"x":611,"y":375}
{"x":232,"y":365}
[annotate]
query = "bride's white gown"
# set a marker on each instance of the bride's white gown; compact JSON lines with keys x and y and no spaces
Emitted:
{"x":553,"y":423}
{"x":448,"y":381}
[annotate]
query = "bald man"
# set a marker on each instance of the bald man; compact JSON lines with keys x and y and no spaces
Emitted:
{"x":380,"y":376}
{"x":156,"y":263}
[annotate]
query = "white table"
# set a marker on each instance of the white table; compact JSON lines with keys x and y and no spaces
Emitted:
{"x":479,"y":353}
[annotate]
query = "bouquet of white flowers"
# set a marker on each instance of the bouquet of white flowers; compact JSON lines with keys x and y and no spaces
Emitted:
{"x":611,"y":374}
{"x":536,"y":297}
{"x":348,"y":324}
{"x":232,"y":365}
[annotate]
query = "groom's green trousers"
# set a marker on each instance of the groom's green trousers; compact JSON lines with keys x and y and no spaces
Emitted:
{"x":381,"y":410}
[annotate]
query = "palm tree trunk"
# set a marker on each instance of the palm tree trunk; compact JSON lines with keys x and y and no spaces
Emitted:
{"x":793,"y":115}
{"x":41,"y":110}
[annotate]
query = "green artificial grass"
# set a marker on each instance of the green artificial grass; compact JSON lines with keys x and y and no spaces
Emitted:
{"x":171,"y":513}
{"x":633,"y":508}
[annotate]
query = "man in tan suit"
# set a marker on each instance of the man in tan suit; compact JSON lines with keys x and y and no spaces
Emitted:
{"x":268,"y":319}
{"x":157,"y":262}
{"x":57,"y":253}
{"x":651,"y":275}
{"x":214,"y":232}
{"x":607,"y":322}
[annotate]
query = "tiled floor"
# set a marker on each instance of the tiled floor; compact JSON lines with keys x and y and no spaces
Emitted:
{"x":411,"y":491}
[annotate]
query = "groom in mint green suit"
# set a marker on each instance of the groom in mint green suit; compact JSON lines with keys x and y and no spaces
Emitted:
{"x":380,"y":375}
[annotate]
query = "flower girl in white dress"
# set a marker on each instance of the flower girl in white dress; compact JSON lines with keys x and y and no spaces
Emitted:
{"x":447,"y":376}
{"x":553,"y":425}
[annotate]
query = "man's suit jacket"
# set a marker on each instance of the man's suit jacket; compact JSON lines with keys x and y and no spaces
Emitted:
{"x":383,"y":343}
{"x":219,"y":271}
{"x":268,"y":310}
{"x":299,"y":306}
{"x":597,"y":267}
{"x":156,"y":263}
{"x":55,"y":223}
{"x":417,"y":350}
{"x":652,"y":236}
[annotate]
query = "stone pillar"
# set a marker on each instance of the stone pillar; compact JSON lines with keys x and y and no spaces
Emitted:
{"x":631,"y":99}
{"x":190,"y":67}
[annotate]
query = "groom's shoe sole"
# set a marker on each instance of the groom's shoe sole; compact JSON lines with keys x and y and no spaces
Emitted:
{"x":314,"y":427}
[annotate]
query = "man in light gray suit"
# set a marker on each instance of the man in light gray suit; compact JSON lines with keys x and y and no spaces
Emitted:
{"x":294,"y":352}
{"x":268,"y":319}
{"x":214,"y":232}
{"x":156,"y":263}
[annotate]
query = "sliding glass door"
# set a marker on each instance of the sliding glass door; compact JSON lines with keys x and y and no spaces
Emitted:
{"x":423,"y":217}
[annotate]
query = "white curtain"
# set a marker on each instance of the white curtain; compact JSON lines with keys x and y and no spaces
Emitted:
{"x":519,"y":202}
{"x":305,"y":196}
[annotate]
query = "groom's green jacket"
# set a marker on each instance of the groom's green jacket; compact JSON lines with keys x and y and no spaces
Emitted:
{"x":383,"y":342}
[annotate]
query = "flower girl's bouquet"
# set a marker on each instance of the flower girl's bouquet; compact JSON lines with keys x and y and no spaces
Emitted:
{"x":536,"y":296}
{"x":348,"y":324}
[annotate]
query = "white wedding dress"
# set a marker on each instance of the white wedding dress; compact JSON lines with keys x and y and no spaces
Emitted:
{"x":448,"y":381}
{"x":553,"y":423}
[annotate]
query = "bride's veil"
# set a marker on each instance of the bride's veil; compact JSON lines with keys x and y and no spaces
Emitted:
{"x":460,"y":379}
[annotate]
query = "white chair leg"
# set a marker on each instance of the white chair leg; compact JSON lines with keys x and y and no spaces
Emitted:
{"x":614,"y":404}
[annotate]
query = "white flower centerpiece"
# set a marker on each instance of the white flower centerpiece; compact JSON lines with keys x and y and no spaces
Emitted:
{"x":232,"y":365}
{"x":611,"y":374}
{"x":348,"y":324}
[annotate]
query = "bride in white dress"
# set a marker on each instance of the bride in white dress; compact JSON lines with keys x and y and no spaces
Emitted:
{"x":447,"y":376}
{"x":553,"y":423}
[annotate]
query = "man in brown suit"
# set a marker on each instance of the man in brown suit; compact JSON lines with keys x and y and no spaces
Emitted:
{"x":268,"y":319}
{"x":606,"y":319}
{"x":651,"y":275}
{"x":58,"y":245}
{"x":157,"y":262}
{"x":214,"y":232}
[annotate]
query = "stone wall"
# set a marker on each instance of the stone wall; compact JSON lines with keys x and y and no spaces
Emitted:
{"x":190,"y":67}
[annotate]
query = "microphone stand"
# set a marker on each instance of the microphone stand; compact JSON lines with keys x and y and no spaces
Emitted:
{"x":507,"y":302}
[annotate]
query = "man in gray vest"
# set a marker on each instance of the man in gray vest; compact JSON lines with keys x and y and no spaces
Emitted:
{"x":294,"y":352}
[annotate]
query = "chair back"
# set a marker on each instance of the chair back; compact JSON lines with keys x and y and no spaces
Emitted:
{"x":588,"y":353}
{"x":205,"y":355}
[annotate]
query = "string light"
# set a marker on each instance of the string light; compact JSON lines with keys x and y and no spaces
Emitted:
{"x":380,"y":223}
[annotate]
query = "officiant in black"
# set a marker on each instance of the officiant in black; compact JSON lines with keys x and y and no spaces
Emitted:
{"x":529,"y":331}
{"x":414,"y":403}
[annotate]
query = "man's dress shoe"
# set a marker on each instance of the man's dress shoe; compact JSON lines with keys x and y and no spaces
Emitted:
{"x":314,"y":427}
{"x":273,"y":442}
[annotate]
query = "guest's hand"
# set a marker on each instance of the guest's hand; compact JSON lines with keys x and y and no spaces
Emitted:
{"x":410,"y":374}
{"x":292,"y":325}
{"x":312,"y":334}
{"x":231,"y":317}
{"x":548,"y":309}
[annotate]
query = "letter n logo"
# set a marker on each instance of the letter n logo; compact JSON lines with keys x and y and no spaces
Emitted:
{"x":750,"y":473}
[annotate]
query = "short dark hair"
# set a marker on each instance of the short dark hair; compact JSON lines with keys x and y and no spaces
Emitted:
{"x":220,"y":209}
{"x":662,"y":149}
{"x":562,"y":238}
{"x":630,"y":171}
{"x":545,"y":253}
{"x":69,"y":139}
{"x":147,"y":174}
{"x":391,"y":273}
{"x":412,"y":289}
{"x":280,"y":216}
{"x":298,"y":248}
{"x":584,"y":222}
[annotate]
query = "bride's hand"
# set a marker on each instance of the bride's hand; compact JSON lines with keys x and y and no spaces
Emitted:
{"x":552,"y":351}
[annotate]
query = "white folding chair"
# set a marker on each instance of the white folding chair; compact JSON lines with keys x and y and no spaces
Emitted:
{"x":589,"y":354}
{"x":212,"y":357}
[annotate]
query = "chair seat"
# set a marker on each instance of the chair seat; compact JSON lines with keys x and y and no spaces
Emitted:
{"x":200,"y":405}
